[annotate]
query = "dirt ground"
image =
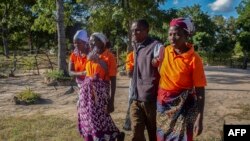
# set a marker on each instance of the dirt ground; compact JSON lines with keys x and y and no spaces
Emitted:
{"x":227,"y":99}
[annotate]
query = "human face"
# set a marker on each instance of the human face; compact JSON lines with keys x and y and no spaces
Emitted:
{"x":139,"y":33}
{"x":96,"y":42}
{"x":177,"y":37}
{"x":80,"y":45}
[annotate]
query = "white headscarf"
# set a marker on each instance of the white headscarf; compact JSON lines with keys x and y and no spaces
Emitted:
{"x":101,"y":36}
{"x":82,"y":35}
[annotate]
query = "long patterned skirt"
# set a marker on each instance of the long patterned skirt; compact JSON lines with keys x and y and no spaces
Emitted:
{"x":94,"y":123}
{"x":176,"y":117}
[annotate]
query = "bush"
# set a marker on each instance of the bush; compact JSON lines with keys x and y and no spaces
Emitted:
{"x":27,"y":96}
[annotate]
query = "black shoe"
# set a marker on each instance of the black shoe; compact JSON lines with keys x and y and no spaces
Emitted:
{"x":121,"y":136}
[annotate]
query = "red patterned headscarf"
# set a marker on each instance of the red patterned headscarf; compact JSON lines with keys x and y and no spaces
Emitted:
{"x":184,"y":23}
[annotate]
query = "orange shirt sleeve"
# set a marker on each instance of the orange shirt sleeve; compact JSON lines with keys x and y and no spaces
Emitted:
{"x":199,"y":78}
{"x":72,"y":57}
{"x":130,"y":61}
{"x":79,"y":62}
{"x":112,"y":66}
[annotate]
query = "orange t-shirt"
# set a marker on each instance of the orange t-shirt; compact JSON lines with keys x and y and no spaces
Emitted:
{"x":183,"y":71}
{"x":79,"y":62}
{"x":130,"y":62}
{"x":93,"y":68}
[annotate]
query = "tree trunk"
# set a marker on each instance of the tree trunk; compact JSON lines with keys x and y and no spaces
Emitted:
{"x":30,"y":43}
{"x":245,"y":60}
{"x":5,"y":43}
{"x":5,"y":31}
{"x":62,"y":65}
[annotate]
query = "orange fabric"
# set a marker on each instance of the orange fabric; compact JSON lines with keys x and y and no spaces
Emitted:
{"x":183,"y":71}
{"x":130,"y":62}
{"x":79,"y":62}
{"x":93,"y":68}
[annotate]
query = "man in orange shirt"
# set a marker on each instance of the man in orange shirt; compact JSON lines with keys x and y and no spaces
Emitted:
{"x":180,"y":100}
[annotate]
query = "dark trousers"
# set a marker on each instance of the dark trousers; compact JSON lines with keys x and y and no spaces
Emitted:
{"x":143,"y":114}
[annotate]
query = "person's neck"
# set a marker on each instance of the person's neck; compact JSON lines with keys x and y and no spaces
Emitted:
{"x":182,"y":49}
{"x":141,"y":42}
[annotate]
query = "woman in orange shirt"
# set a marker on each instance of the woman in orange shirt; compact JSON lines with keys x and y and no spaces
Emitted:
{"x":95,"y":101}
{"x":78,"y":58}
{"x":180,"y":100}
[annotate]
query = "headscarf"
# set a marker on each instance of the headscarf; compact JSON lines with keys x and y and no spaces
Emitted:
{"x":184,"y":23}
{"x":93,"y":54}
{"x":82,"y":35}
{"x":101,"y":36}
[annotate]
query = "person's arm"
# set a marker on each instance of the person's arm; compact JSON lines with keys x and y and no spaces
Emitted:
{"x":198,"y":125}
{"x":74,"y":73}
{"x":158,"y":55}
{"x":112,"y":96}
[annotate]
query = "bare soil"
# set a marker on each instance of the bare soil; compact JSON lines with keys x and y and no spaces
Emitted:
{"x":227,"y":99}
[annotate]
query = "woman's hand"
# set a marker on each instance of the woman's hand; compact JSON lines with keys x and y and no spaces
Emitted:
{"x":198,"y":125}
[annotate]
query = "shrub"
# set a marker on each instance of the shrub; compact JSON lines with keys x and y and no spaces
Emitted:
{"x":27,"y":96}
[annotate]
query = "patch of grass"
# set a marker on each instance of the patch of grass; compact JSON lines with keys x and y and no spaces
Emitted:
{"x":38,"y":128}
{"x":28,"y":96}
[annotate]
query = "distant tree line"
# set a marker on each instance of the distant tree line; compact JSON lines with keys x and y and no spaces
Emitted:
{"x":32,"y":25}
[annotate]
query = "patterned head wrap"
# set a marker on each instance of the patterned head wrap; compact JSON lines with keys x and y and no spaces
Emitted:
{"x":184,"y":23}
{"x":101,"y":36}
{"x":82,"y":35}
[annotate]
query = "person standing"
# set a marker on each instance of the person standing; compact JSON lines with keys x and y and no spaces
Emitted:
{"x":95,"y":101}
{"x":78,"y":58}
{"x":145,"y":81}
{"x":180,"y":100}
{"x":129,"y":66}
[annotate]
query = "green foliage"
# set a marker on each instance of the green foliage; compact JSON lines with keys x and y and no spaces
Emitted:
{"x":46,"y":17}
{"x":238,"y":49}
{"x":28,"y":96}
{"x":123,"y":56}
{"x":243,"y":38}
{"x":202,"y":40}
{"x":225,"y":34}
{"x":243,"y":23}
{"x":28,"y":63}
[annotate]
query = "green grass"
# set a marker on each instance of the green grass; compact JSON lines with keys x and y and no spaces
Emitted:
{"x":38,"y":128}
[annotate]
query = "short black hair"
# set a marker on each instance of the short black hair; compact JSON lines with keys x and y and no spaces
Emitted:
{"x":142,"y":22}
